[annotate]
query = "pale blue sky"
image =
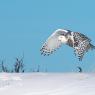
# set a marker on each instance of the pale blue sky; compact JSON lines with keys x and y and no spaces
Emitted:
{"x":26,"y":24}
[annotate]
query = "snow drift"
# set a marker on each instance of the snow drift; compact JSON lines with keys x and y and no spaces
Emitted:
{"x":47,"y":84}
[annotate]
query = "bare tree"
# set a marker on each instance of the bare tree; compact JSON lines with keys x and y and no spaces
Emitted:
{"x":3,"y":67}
{"x":19,"y":65}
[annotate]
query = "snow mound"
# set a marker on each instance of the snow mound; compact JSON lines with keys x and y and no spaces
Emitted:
{"x":47,"y":84}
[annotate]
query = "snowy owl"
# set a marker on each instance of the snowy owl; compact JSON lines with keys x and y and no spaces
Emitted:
{"x":78,"y":41}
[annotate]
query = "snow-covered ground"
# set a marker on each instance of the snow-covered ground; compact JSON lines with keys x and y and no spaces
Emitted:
{"x":47,"y":84}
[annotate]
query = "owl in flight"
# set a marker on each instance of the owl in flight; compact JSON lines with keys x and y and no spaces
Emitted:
{"x":78,"y":41}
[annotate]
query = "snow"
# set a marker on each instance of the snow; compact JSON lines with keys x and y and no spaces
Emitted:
{"x":47,"y":84}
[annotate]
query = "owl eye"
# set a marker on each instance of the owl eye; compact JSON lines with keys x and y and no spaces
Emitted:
{"x":63,"y":34}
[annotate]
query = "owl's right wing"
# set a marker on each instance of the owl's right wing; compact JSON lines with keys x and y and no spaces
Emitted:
{"x":51,"y":44}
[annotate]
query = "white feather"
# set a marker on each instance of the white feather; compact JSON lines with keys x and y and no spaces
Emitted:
{"x":63,"y":39}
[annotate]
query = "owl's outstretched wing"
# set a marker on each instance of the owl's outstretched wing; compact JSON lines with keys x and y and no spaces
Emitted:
{"x":81,"y":45}
{"x":81,"y":49}
{"x":51,"y":44}
{"x":80,"y":37}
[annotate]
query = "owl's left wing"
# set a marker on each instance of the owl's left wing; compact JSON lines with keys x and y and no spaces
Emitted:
{"x":80,"y":37}
{"x":81,"y":49}
{"x":81,"y":45}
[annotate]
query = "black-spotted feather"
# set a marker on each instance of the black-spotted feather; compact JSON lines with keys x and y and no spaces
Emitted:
{"x":81,"y":44}
{"x":50,"y":45}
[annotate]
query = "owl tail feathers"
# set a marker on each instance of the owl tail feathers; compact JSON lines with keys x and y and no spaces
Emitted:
{"x":92,"y":46}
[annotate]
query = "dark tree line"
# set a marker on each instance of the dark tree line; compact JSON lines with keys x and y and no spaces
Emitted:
{"x":18,"y":66}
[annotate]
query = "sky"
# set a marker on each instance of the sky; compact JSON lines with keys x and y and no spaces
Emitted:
{"x":26,"y":24}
